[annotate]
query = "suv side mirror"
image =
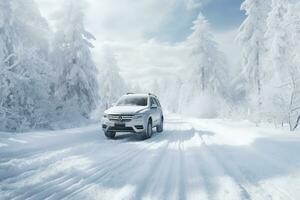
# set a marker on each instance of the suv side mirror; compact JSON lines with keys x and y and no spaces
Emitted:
{"x":154,"y":106}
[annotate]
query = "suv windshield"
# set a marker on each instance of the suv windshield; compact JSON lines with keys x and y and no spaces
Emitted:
{"x":132,"y":101}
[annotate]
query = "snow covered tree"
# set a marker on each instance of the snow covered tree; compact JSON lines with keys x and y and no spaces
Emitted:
{"x":36,"y":32}
{"x":206,"y":74}
{"x":207,"y":64}
{"x":292,"y":27}
{"x":24,"y":77}
{"x":251,"y":37}
{"x":277,"y":65}
{"x":281,"y":95}
{"x":77,"y":86}
{"x":112,"y":84}
{"x":276,"y":37}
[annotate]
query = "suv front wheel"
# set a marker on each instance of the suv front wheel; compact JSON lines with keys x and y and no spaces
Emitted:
{"x":148,"y":132}
{"x":110,"y":134}
{"x":160,"y":127}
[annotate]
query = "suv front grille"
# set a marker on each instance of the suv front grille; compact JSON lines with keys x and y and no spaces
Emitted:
{"x":120,"y":118}
{"x":120,"y":129}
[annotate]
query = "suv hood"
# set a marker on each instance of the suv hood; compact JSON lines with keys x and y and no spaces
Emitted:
{"x":125,"y":109}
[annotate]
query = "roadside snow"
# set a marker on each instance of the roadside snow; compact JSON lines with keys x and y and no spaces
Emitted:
{"x":191,"y":159}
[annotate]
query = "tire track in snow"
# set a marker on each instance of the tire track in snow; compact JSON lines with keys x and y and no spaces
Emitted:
{"x":141,"y":159}
{"x":58,"y":177}
{"x":251,"y":175}
{"x":244,"y":176}
{"x":177,"y":164}
{"x":214,"y":173}
{"x":200,"y":170}
{"x":167,"y":179}
{"x":143,"y":179}
{"x":17,"y":184}
{"x":136,"y":172}
{"x":30,"y":149}
{"x":270,"y":159}
{"x":195,"y":180}
{"x":182,"y":194}
{"x":92,"y":174}
{"x":53,"y":159}
{"x":249,"y":189}
{"x":108,"y":171}
{"x":154,"y":181}
{"x":231,"y":171}
{"x":22,"y":166}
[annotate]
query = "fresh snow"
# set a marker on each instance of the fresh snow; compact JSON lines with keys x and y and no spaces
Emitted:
{"x":192,"y":159}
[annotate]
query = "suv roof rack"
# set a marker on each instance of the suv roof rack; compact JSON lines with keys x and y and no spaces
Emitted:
{"x":128,"y":93}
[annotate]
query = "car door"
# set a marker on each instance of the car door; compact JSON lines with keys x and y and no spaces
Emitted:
{"x":159,"y":110}
{"x":154,"y":111}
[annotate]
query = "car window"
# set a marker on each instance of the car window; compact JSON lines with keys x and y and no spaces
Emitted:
{"x":152,"y":101}
{"x":132,"y":101}
{"x":157,"y":102}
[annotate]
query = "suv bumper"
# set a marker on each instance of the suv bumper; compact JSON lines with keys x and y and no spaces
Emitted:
{"x":134,"y":126}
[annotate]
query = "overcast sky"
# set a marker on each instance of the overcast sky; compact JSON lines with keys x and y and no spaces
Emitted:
{"x":146,"y":34}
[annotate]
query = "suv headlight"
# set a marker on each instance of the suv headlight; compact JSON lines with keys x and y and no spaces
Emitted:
{"x":138,"y":116}
{"x":105,"y":116}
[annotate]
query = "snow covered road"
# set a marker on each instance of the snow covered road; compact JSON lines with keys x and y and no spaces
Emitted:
{"x":191,"y":159}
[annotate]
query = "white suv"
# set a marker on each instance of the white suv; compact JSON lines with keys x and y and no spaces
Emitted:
{"x":136,"y":113}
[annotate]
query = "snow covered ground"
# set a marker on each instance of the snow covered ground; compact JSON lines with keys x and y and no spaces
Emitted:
{"x":191,"y":159}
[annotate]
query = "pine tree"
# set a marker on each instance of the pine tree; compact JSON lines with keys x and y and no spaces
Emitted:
{"x":206,"y":73}
{"x":77,"y":84}
{"x":251,"y":37}
{"x":24,"y":77}
{"x":276,"y":68}
{"x":207,"y":66}
{"x":292,"y":26}
{"x":113,"y":86}
{"x":276,"y":37}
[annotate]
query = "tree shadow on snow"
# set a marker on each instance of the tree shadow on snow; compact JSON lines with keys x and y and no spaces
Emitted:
{"x":262,"y":160}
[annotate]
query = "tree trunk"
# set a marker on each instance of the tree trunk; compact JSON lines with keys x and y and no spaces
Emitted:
{"x":257,"y":79}
{"x":297,"y":123}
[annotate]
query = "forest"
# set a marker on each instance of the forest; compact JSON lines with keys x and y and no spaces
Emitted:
{"x":49,"y":78}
